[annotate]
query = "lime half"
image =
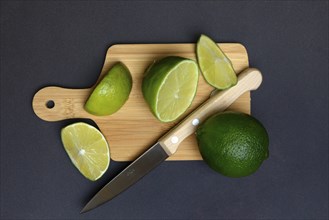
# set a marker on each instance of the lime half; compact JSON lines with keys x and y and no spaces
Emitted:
{"x":216,"y":68}
{"x":169,"y":87}
{"x":87,"y":149}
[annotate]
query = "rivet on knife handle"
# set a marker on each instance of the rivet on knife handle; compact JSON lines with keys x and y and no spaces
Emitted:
{"x":249,"y":79}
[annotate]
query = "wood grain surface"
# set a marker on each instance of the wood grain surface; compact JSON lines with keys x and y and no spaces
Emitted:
{"x":133,"y":129}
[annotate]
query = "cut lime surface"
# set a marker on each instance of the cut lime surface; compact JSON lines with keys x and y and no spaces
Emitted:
{"x":169,"y":87}
{"x":87,"y":149}
{"x":111,"y":92}
{"x":216,"y":68}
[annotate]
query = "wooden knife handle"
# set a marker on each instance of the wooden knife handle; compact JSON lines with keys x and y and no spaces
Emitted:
{"x":56,"y":103}
{"x":249,"y":79}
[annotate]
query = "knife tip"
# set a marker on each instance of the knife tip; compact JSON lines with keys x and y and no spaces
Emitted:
{"x":84,"y":210}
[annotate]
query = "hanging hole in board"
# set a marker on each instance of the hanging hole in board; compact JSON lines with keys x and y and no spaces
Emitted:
{"x":50,"y":104}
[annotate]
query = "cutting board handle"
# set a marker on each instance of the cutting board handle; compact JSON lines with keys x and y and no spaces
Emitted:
{"x":249,"y":79}
{"x":56,"y":103}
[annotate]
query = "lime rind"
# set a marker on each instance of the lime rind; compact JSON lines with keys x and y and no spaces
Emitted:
{"x":111,"y":93}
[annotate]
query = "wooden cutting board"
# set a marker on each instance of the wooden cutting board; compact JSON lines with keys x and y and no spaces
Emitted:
{"x":133,"y":129}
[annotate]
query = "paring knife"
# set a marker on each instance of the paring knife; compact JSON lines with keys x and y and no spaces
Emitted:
{"x":249,"y":79}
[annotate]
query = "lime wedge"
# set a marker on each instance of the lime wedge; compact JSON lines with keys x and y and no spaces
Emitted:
{"x":111,"y":92}
{"x":216,"y":68}
{"x":87,"y":149}
{"x":169,"y":87}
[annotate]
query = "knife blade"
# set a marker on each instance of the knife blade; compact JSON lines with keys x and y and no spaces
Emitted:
{"x":249,"y":79}
{"x":136,"y":170}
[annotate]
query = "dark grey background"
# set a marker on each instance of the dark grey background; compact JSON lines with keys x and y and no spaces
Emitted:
{"x":64,"y":42}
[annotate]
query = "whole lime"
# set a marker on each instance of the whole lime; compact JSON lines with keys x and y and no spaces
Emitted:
{"x":233,"y":144}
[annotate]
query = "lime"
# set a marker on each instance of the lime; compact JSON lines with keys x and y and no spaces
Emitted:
{"x":87,"y":149}
{"x":233,"y":144}
{"x":216,"y":68}
{"x":169,"y":87}
{"x":111,"y":92}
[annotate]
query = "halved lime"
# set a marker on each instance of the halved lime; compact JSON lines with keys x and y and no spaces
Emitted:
{"x":111,"y":92}
{"x":87,"y":149}
{"x":216,"y":68}
{"x":169,"y":87}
